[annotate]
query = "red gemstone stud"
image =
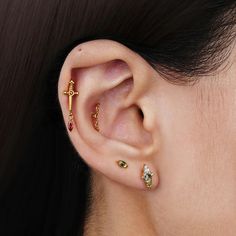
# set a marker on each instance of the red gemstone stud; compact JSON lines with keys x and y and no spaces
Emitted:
{"x":70,"y":126}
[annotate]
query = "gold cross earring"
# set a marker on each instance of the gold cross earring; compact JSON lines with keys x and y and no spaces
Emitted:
{"x":70,"y":93}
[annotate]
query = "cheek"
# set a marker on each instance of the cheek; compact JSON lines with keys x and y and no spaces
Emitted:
{"x":197,"y":155}
{"x":182,"y":134}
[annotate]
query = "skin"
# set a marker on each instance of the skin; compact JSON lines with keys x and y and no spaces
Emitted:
{"x":187,"y":137}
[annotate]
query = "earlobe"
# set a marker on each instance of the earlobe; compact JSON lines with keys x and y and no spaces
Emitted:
{"x":108,"y":127}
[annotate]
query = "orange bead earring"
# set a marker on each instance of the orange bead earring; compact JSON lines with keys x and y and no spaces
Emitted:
{"x":94,"y":117}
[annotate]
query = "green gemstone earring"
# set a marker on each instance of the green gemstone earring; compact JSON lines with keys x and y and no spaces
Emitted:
{"x":122,"y":164}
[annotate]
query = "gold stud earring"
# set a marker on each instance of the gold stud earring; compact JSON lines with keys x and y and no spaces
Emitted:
{"x":122,"y":164}
{"x":70,"y":93}
{"x":147,"y":176}
{"x":94,"y":117}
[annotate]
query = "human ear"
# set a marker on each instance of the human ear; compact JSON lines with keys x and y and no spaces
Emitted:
{"x":110,"y":74}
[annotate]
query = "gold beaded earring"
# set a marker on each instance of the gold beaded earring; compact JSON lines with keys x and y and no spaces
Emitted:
{"x":94,"y":117}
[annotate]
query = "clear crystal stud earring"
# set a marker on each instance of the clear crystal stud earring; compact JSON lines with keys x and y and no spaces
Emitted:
{"x":147,"y":176}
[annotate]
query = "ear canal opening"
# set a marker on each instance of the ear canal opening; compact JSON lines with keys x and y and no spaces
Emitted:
{"x":141,"y":113}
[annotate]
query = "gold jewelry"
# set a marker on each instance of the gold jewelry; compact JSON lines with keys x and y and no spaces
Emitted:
{"x":70,"y":93}
{"x":122,"y":164}
{"x":147,"y":176}
{"x":94,"y":117}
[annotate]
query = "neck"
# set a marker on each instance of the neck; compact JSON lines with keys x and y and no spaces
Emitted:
{"x":115,"y":209}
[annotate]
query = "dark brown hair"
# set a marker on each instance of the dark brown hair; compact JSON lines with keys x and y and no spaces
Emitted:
{"x":43,"y":183}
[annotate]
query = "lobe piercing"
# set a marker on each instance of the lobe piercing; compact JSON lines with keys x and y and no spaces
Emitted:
{"x":122,"y":164}
{"x":70,"y":93}
{"x":94,"y":117}
{"x":147,"y":176}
